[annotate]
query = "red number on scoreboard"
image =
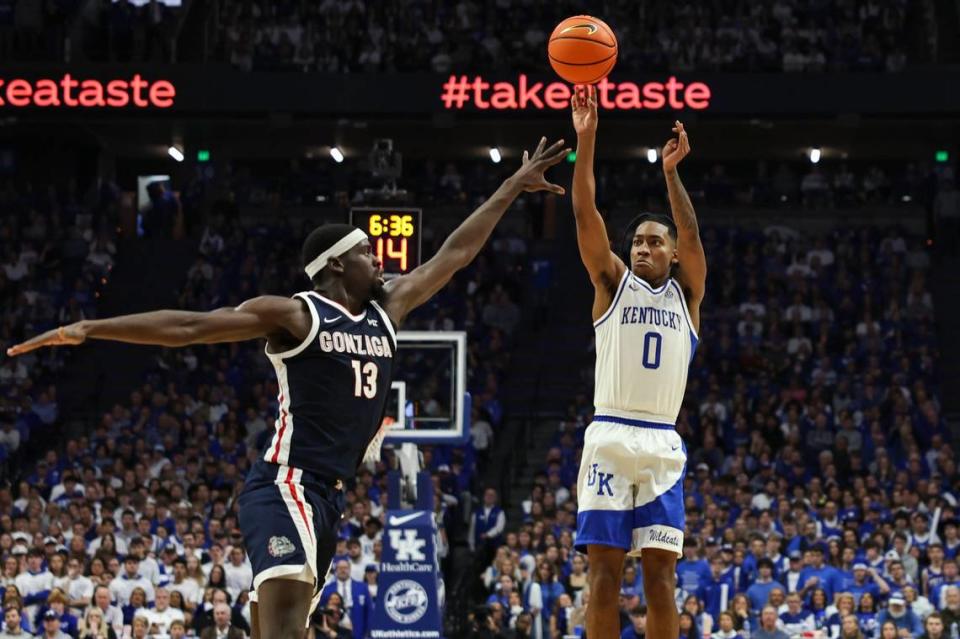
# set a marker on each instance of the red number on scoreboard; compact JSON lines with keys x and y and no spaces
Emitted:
{"x":398,"y":255}
{"x":392,"y":253}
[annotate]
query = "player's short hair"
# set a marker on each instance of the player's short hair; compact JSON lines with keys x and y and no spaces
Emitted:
{"x":321,"y":239}
{"x":647,"y":216}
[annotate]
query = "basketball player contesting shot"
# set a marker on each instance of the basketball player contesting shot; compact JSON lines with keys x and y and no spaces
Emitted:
{"x":332,"y":348}
{"x":630,"y":486}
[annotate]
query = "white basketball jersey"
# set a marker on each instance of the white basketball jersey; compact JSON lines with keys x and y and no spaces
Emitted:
{"x":645,"y":342}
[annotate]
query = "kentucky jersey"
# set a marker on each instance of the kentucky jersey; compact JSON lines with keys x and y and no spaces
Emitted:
{"x":630,"y":486}
{"x":645,"y":342}
{"x":333,"y":388}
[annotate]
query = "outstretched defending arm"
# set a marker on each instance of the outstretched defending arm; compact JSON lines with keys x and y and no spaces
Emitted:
{"x":407,"y":292}
{"x":692,"y":273}
{"x":267,"y":316}
{"x":603,"y":266}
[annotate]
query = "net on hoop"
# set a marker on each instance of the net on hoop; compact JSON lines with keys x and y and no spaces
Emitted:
{"x":373,"y":448}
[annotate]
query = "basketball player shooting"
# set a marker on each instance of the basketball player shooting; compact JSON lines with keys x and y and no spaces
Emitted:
{"x":646,"y":317}
{"x":333,"y":351}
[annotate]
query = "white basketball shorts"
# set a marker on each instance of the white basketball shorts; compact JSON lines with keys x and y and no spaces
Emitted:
{"x":630,"y":487}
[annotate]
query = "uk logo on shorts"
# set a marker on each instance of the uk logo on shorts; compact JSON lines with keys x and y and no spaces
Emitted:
{"x":406,"y":601}
{"x":601,"y":480}
{"x":280,"y":546}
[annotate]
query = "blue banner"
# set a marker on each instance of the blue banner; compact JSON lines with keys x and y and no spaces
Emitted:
{"x":410,"y":589}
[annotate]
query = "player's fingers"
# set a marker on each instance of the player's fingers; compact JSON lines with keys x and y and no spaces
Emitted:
{"x":557,"y":156}
{"x":556,"y":188}
{"x":526,"y":157}
{"x":553,"y":148}
{"x":540,"y":146}
{"x":29,"y":345}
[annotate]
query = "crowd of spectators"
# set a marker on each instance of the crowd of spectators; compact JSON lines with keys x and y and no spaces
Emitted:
{"x":124,"y":31}
{"x":822,"y":487}
{"x":130,"y":529}
{"x":427,"y":35}
{"x":819,"y":462}
{"x":786,"y":35}
{"x":109,"y":30}
{"x":56,"y":254}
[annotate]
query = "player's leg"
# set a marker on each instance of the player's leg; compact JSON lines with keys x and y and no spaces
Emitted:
{"x":605,"y":522}
{"x":658,"y":525}
{"x":603,"y":577}
{"x":279,"y":531}
{"x":283,"y":606}
{"x":659,"y":582}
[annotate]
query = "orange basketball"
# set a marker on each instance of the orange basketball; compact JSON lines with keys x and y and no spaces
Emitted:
{"x":582,"y":50}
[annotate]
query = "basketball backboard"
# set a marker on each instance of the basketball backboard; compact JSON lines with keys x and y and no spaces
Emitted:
{"x":430,"y":385}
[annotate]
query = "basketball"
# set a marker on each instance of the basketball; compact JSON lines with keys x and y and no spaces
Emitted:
{"x":582,"y":50}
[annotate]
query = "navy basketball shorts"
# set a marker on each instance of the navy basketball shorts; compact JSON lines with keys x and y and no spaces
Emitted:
{"x":289,"y":520}
{"x":630,"y":487}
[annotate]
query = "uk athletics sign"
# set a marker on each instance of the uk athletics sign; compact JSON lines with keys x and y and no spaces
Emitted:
{"x":411,"y":601}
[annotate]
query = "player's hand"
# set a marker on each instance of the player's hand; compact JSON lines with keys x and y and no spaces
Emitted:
{"x":529,"y":176}
{"x":70,"y":335}
{"x":676,"y":148}
{"x":584,"y":105}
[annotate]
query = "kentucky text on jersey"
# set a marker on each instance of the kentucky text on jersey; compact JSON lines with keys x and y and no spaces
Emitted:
{"x":652,"y":316}
{"x":645,"y":341}
{"x":337,"y":342}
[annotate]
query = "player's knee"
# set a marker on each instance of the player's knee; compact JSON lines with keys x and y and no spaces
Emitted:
{"x":659,"y":586}
{"x":659,"y":581}
{"x":603,"y":580}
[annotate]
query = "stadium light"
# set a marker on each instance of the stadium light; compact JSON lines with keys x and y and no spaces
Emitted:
{"x":652,"y":156}
{"x":815,"y":155}
{"x":175,"y":153}
{"x":942,"y":156}
{"x":495,"y":155}
{"x":336,"y":154}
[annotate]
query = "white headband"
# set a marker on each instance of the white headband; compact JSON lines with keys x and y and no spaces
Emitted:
{"x":339,"y":247}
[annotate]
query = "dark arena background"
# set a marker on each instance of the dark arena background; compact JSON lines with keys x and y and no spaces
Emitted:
{"x":175,"y":154}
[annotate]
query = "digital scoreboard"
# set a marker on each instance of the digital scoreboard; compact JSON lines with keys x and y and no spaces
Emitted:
{"x":395,"y":234}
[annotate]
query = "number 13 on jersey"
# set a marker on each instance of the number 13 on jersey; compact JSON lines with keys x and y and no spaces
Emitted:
{"x":364,"y":379}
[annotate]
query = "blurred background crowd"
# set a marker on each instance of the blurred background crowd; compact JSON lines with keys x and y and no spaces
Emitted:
{"x":822,"y":485}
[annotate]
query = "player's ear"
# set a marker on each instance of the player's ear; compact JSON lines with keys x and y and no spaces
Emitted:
{"x":335,"y":264}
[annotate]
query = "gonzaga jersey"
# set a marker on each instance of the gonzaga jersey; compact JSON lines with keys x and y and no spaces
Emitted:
{"x":333,"y":388}
{"x":645,"y":343}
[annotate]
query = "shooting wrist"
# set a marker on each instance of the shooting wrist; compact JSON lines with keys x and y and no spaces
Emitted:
{"x":587,"y":137}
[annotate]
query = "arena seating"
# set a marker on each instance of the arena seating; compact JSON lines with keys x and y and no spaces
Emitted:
{"x":812,"y":419}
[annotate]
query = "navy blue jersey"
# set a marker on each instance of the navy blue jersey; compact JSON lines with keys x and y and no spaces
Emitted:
{"x":333,"y":388}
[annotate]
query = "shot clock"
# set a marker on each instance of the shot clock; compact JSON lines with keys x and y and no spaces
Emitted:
{"x":394,"y":234}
